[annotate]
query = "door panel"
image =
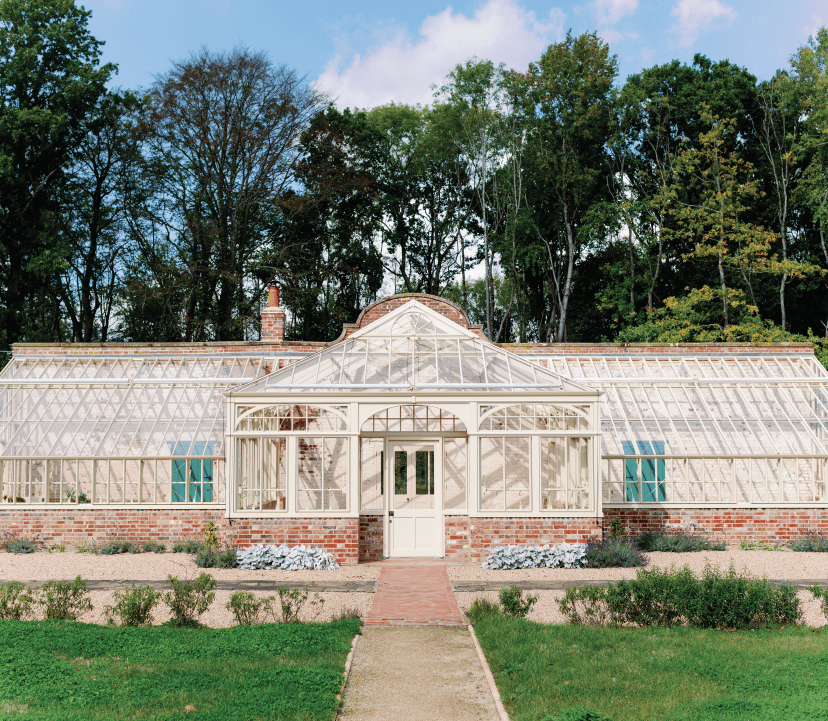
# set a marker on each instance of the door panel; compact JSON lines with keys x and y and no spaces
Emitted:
{"x":413,"y":526}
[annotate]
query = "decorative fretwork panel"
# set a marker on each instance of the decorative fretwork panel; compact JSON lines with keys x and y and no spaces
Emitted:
{"x":533,"y":417}
{"x":414,"y":418}
{"x":295,"y":417}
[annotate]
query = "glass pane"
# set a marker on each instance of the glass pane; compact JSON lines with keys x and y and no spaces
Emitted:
{"x":425,"y":472}
{"x":371,"y":480}
{"x":454,"y":473}
{"x":400,"y":472}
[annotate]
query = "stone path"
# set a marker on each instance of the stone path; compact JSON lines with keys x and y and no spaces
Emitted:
{"x":405,"y":673}
{"x":414,"y":594}
{"x":416,"y":659}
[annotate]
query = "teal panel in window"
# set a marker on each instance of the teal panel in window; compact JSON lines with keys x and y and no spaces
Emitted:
{"x":200,"y":472}
{"x":653,"y":473}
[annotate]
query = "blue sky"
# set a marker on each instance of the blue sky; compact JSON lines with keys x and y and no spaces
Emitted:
{"x":366,"y":52}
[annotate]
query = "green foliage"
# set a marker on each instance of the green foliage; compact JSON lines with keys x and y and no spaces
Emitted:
{"x":351,"y":613}
{"x":208,"y":557}
{"x":19,"y":545}
{"x":677,"y":543}
{"x":672,"y":597}
{"x":292,"y":601}
{"x":56,"y":548}
{"x":64,"y":600}
{"x":115,"y":546}
{"x":190,"y":545}
{"x":614,"y":553}
{"x":812,"y":542}
{"x":16,"y":601}
{"x":189,"y":599}
{"x":616,"y":528}
{"x":482,"y":607}
{"x":820,"y":594}
{"x":89,"y":671}
{"x":639,"y":674}
{"x":211,"y":536}
{"x":153,"y":547}
{"x":247,"y":609}
{"x":513,"y":602}
{"x":133,"y":606}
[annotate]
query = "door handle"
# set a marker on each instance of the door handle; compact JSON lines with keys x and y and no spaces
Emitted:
{"x":390,"y":513}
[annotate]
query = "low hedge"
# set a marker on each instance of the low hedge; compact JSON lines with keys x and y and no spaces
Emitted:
{"x":670,"y":597}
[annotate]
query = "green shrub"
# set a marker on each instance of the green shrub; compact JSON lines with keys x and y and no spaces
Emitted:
{"x":20,"y":545}
{"x":214,"y":558}
{"x":210,"y":534}
{"x":348,"y":614}
{"x":677,"y":543}
{"x":616,"y":528}
{"x":153,"y":547}
{"x":513,"y":602}
{"x":133,"y":606}
{"x":669,"y":597}
{"x":586,"y":605}
{"x":115,"y":546}
{"x":249,"y":610}
{"x":820,"y":593}
{"x":16,"y":601}
{"x":191,"y":545}
{"x":64,"y":600}
{"x":189,"y":599}
{"x":12,"y":543}
{"x":481,"y":608}
{"x":614,"y":553}
{"x":291,"y":603}
{"x":811,"y":543}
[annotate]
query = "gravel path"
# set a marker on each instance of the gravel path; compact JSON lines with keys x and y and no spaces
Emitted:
{"x":156,"y":567}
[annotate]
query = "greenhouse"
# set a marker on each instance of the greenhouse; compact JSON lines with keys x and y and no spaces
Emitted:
{"x":412,"y":435}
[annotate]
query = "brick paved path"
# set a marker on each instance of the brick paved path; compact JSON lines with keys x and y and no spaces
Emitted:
{"x":413,"y":594}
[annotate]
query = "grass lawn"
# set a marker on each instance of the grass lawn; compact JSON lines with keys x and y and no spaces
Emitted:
{"x":53,"y":670}
{"x":657,"y":673}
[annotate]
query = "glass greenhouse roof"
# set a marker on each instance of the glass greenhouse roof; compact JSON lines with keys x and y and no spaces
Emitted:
{"x":111,"y":406}
{"x":413,"y":348}
{"x":708,"y":405}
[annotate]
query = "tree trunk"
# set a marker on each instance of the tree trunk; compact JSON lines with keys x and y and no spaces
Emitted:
{"x":570,"y":270}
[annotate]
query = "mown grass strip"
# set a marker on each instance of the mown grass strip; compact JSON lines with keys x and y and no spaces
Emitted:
{"x":55,"y":670}
{"x":656,"y":673}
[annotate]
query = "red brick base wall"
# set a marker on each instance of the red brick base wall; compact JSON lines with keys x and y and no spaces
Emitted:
{"x":777,"y":525}
{"x":73,"y":527}
{"x":486,"y":533}
{"x":457,"y":538}
{"x":370,"y":538}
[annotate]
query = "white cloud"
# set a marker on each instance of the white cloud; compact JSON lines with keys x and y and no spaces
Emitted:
{"x":817,"y":22}
{"x":609,"y":12}
{"x":402,"y":69}
{"x":693,"y":16}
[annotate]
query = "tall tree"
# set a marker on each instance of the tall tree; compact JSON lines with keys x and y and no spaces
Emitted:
{"x":222,"y":134}
{"x":92,"y":218}
{"x":476,"y":91}
{"x":51,"y":83}
{"x":809,"y":69}
{"x":571,"y":105}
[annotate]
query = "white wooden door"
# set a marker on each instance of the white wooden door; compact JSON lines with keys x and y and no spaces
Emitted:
{"x":415,"y":518}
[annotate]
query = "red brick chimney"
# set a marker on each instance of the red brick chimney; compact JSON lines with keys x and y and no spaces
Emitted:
{"x":273,"y":317}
